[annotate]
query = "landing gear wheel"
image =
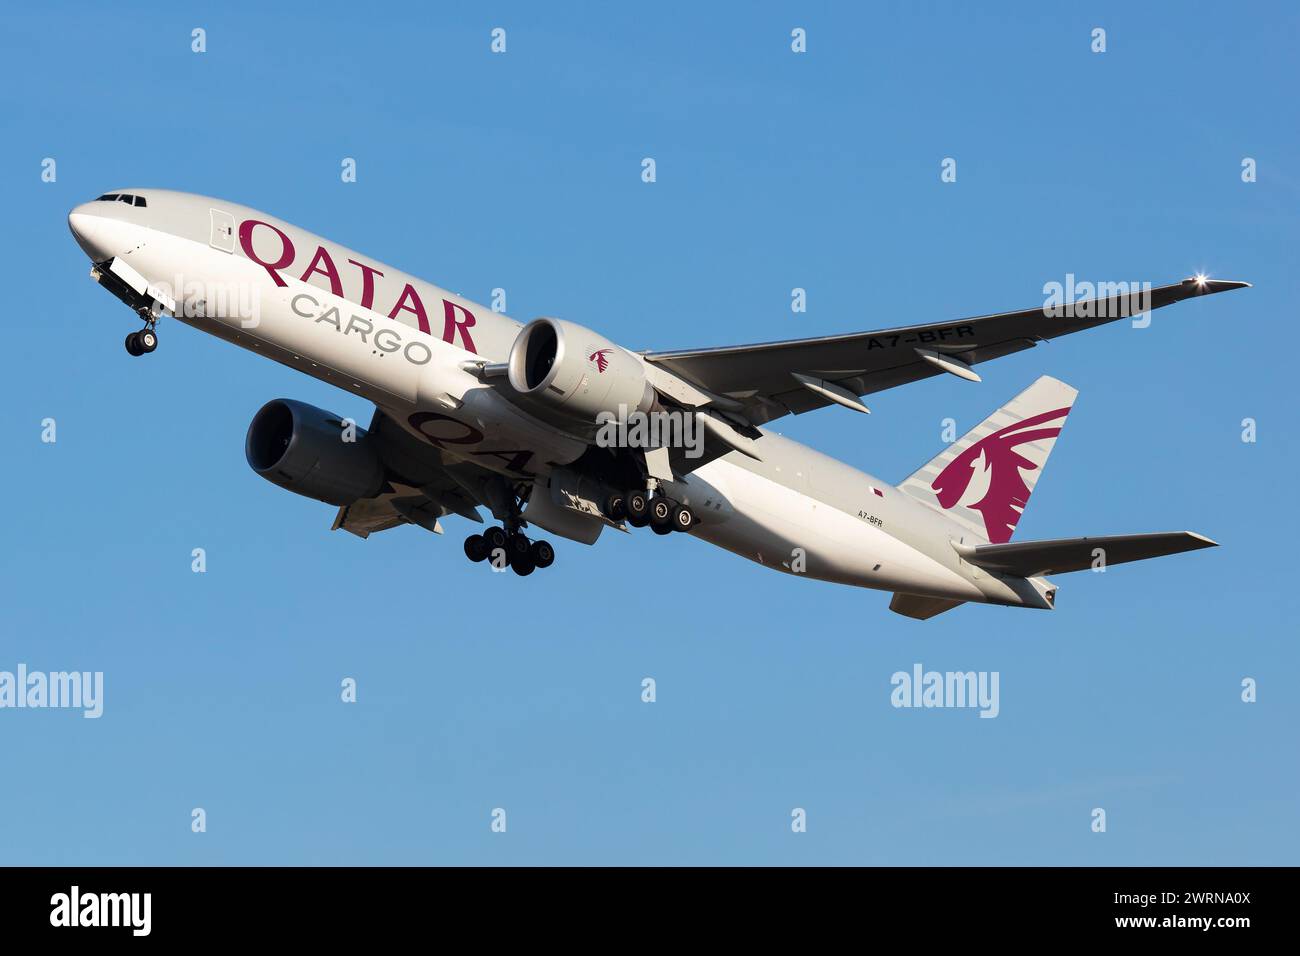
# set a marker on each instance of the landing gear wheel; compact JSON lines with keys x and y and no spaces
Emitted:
{"x":518,"y":546}
{"x":638,"y":509}
{"x":661,"y":513}
{"x":494,"y":544}
{"x":147,"y":340}
{"x":661,"y":528}
{"x":542,"y":553}
{"x":683,"y":518}
{"x":522,"y":564}
{"x":476,"y":549}
{"x":615,"y":507}
{"x":133,"y":344}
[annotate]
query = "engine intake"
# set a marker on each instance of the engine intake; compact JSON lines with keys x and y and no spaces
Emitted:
{"x":302,"y":448}
{"x":577,"y":372}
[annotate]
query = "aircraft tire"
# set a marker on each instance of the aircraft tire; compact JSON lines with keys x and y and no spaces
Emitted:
{"x":683,"y":518}
{"x":661,"y":513}
{"x":637,"y":504}
{"x":542,"y":553}
{"x":476,"y":549}
{"x":518,"y":546}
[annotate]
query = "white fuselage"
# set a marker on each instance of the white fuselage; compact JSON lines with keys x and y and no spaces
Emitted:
{"x":409,"y":347}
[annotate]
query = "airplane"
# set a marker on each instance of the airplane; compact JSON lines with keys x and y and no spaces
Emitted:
{"x":476,"y":410}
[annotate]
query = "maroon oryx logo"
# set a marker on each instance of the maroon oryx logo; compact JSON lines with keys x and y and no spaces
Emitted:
{"x":1007,"y":494}
{"x":601,"y":358}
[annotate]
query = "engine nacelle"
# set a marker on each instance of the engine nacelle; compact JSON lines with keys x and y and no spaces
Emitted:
{"x":576,"y":372}
{"x":300,"y":447}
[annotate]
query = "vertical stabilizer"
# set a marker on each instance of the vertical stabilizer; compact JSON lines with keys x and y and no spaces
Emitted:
{"x":983,"y":481}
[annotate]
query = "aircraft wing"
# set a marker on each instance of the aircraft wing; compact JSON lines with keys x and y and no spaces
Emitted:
{"x":767,"y":381}
{"x":363,"y":518}
{"x":420,"y":488}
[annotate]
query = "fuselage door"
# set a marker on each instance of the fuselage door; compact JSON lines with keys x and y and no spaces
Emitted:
{"x":223,"y":231}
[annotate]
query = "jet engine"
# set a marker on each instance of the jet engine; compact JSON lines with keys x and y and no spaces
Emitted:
{"x":313,"y":453}
{"x":576,"y":373}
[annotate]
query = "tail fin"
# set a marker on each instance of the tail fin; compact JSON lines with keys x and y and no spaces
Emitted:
{"x":983,"y":481}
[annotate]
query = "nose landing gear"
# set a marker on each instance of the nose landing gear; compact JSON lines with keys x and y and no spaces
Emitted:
{"x":146,"y":340}
{"x":142,"y":342}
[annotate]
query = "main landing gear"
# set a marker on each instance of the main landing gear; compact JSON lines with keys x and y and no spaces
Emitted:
{"x":502,"y":548}
{"x":640,"y":508}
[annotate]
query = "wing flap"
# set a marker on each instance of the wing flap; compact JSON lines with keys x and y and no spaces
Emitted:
{"x":363,"y":518}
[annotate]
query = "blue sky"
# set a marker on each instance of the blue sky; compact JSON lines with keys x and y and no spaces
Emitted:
{"x":775,"y":170}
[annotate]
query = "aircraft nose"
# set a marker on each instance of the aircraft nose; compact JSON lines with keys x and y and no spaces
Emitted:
{"x":91,"y":232}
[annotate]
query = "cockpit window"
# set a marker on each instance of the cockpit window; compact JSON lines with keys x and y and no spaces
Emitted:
{"x":138,"y":201}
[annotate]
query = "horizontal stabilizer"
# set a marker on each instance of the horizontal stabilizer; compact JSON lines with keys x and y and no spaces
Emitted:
{"x":920,"y":608}
{"x":1026,"y":559}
